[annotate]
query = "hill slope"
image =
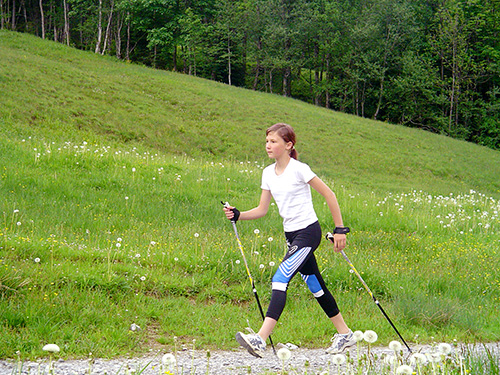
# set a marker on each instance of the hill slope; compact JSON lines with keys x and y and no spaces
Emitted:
{"x":55,"y":91}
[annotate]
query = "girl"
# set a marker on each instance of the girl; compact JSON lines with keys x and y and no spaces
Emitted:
{"x":288,"y":181}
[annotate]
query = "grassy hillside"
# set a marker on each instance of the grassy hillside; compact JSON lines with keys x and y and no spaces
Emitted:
{"x":55,"y":91}
{"x":111,"y":176}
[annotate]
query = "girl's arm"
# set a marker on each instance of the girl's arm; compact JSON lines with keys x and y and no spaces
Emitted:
{"x":331,"y":200}
{"x":254,"y":213}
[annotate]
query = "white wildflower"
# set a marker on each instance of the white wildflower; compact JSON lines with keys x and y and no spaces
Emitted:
{"x":338,"y":359}
{"x":168,"y":359}
{"x":444,"y":348}
{"x":284,"y":354}
{"x":357,"y":336}
{"x":418,"y":358}
{"x":404,"y":369}
{"x":51,"y":348}
{"x":395,"y":345}
{"x":370,"y":336}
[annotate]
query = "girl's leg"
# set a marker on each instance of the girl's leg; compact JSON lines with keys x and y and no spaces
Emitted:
{"x":311,"y":275}
{"x":267,"y":328}
{"x":339,"y":323}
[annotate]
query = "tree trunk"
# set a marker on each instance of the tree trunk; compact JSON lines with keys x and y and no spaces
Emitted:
{"x":108,"y":29}
{"x":229,"y":61}
{"x":379,"y":104}
{"x":42,"y":19}
{"x":327,"y":77}
{"x":194,"y":60}
{"x":258,"y":66}
{"x":174,"y":59}
{"x":66,"y":21}
{"x":99,"y":28}
{"x":286,"y":81}
{"x":13,"y":22}
{"x":127,"y":50}
{"x":271,"y":81}
{"x":25,"y":15}
{"x":118,"y":36}
{"x":315,"y":93}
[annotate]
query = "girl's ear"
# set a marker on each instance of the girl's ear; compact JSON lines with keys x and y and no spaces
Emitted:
{"x":289,"y":145}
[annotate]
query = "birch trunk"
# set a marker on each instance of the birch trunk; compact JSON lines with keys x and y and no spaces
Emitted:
{"x":66,"y":21}
{"x":99,"y":29}
{"x":108,"y":29}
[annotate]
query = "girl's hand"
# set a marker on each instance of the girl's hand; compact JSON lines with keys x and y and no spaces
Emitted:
{"x":339,"y":242}
{"x":232,"y":213}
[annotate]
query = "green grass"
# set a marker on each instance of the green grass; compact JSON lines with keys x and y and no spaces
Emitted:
{"x":96,"y":153}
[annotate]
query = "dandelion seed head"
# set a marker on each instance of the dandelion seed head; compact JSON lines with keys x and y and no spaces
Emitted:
{"x":284,"y":354}
{"x":256,"y":231}
{"x":418,"y":358}
{"x":433,"y":357}
{"x":404,"y":369}
{"x":37,"y":260}
{"x":357,"y":336}
{"x":444,"y":348}
{"x":370,"y":336}
{"x":51,"y":348}
{"x":395,"y":345}
{"x":338,"y":359}
{"x":168,"y":359}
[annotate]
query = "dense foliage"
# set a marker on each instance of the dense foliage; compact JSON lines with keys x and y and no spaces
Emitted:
{"x":428,"y":64}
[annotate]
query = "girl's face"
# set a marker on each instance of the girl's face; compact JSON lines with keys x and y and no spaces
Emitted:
{"x":276,"y":146}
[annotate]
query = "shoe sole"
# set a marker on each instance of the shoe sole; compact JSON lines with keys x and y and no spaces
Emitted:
{"x":241,"y":340}
{"x":341,"y":351}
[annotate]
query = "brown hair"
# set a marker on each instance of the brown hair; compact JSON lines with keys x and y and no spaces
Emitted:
{"x":287,"y":133}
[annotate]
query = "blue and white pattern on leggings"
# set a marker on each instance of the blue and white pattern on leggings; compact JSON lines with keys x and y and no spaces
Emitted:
{"x":288,"y":268}
{"x":314,"y":285}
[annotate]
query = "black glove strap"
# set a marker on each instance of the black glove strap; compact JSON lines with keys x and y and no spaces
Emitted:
{"x":236,"y":213}
{"x":341,"y":230}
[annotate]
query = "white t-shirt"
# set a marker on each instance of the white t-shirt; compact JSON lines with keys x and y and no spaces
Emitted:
{"x":292,"y":194}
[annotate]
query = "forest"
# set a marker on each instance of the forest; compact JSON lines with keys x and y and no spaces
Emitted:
{"x":429,"y":64}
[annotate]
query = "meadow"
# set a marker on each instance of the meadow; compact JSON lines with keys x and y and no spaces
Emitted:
{"x":100,"y":231}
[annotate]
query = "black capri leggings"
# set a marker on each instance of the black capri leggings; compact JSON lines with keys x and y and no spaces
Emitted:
{"x":300,"y":258}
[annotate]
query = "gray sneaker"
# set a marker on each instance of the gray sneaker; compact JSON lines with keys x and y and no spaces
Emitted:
{"x":252,"y":342}
{"x":340,"y":342}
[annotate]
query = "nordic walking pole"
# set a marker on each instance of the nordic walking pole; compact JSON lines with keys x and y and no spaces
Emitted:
{"x":329,"y":237}
{"x":254,"y":289}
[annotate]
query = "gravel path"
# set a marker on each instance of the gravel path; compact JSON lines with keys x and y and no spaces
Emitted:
{"x":236,"y":362}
